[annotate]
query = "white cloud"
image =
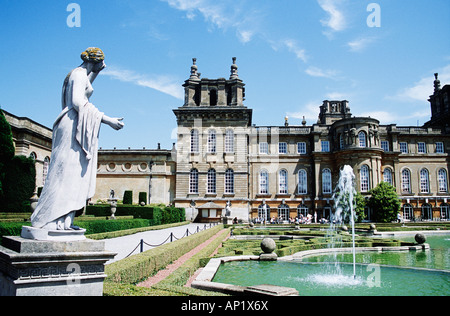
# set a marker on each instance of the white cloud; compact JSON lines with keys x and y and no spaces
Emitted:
{"x":336,"y":20}
{"x":292,"y":46}
{"x":222,"y":14}
{"x":310,"y":111}
{"x":161,"y":83}
{"x":317,"y":72}
{"x":422,"y":89}
{"x":360,"y":44}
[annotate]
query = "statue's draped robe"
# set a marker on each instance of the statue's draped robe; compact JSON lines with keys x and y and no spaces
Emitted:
{"x":72,"y":172}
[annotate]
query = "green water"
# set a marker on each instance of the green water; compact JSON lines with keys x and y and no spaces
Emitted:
{"x":313,"y":276}
{"x":315,"y":279}
{"x":438,"y":257}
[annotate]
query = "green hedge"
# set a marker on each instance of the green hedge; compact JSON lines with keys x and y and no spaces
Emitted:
{"x":141,"y":266}
{"x":128,"y":197}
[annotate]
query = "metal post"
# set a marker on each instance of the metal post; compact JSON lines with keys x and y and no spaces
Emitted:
{"x":142,"y":245}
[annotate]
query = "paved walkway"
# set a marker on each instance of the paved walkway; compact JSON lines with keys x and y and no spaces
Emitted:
{"x":125,"y":245}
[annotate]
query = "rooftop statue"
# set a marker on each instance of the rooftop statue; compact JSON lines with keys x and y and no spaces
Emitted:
{"x":72,"y":172}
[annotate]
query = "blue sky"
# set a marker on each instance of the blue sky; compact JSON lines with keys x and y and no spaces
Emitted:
{"x":291,"y":54}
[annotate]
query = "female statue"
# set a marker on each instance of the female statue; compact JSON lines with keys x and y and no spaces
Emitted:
{"x":72,"y":172}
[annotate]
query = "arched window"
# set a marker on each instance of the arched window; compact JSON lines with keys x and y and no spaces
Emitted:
{"x":427,"y":212}
{"x":264,"y":212}
{"x":283,"y":212}
{"x":283,"y":182}
{"x":408,"y":212}
{"x":302,"y":182}
{"x":442,"y":181}
{"x":263,"y":182}
{"x":194,"y":141}
{"x":229,"y":141}
{"x":302,"y":210}
{"x":45,"y":170}
{"x":33,"y":156}
{"x":387,"y":176}
{"x":362,"y":139}
{"x":406,"y":181}
{"x":445,"y":212}
{"x":326,"y":181}
{"x":341,"y":141}
{"x":211,"y":189}
{"x":365,"y":178}
{"x":212,"y":148}
{"x":424,"y":181}
{"x":229,"y":181}
{"x":193,"y":181}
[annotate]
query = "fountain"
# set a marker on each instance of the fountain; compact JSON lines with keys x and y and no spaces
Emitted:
{"x":343,"y":198}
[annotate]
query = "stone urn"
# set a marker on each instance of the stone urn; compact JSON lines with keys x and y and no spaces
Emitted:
{"x":34,"y":202}
{"x":113,"y":204}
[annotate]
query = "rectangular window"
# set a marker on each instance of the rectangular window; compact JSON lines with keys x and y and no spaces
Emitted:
{"x":229,"y":141}
{"x":301,"y":148}
{"x":403,"y":147}
{"x":282,"y":148}
{"x":325,"y":146}
{"x":263,"y":148}
{"x":440,"y":147}
{"x":212,"y":142}
{"x":385,"y":145}
{"x":421,"y":148}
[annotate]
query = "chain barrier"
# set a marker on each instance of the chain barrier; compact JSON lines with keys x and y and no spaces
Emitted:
{"x":171,"y":237}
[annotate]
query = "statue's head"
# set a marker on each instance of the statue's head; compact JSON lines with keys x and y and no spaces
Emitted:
{"x":93,"y":55}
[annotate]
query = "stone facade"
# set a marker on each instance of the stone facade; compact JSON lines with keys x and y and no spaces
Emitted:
{"x":222,"y":158}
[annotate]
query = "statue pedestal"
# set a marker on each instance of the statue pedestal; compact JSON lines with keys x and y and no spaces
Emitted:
{"x":34,"y":233}
{"x":52,"y":268}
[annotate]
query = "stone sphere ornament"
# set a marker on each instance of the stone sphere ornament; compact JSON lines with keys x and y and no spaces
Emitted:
{"x":420,"y":238}
{"x":268,"y":245}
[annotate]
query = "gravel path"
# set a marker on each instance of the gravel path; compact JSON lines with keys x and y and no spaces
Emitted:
{"x":123,"y":246}
{"x":162,"y":274}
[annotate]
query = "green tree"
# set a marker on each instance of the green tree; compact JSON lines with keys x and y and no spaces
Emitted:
{"x":6,"y":148}
{"x":384,"y":203}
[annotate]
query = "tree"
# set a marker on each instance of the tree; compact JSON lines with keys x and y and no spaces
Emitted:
{"x":384,"y":203}
{"x":6,"y":148}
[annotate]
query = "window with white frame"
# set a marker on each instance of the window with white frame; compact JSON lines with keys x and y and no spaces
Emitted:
{"x":326,"y":181}
{"x":211,"y":183}
{"x":325,"y":146}
{"x":283,"y":182}
{"x":263,"y":182}
{"x":194,"y":141}
{"x":364,"y":178}
{"x":442,"y":181}
{"x":445,"y":212}
{"x":229,"y":141}
{"x":406,"y":181}
{"x":421,"y":148}
{"x":362,"y":139}
{"x":302,"y":182}
{"x":403,"y":147}
{"x":282,"y":148}
{"x":387,"y":176}
{"x":264,"y":148}
{"x":302,"y":210}
{"x":212,"y":141}
{"x":264,"y":212}
{"x":385,"y":145}
{"x":283,"y":212}
{"x":424,"y":181}
{"x":408,"y":212}
{"x":439,"y":147}
{"x":229,"y":181}
{"x":193,"y":181}
{"x":301,"y":148}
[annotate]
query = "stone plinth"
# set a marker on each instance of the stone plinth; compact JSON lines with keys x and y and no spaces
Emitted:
{"x":49,"y":268}
{"x":270,"y":290}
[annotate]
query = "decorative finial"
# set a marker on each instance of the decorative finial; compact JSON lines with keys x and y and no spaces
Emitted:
{"x":194,"y":68}
{"x":234,"y":68}
{"x":304,"y":121}
{"x":437,"y":83}
{"x":286,"y":121}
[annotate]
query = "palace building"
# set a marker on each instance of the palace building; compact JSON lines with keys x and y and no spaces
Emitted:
{"x":223,"y":164}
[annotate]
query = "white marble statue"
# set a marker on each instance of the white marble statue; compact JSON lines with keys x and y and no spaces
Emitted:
{"x":73,"y":165}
